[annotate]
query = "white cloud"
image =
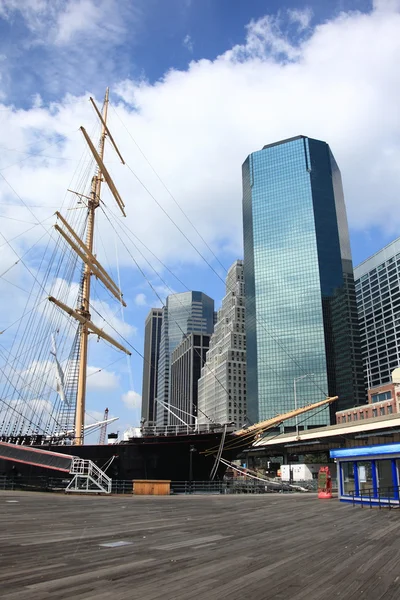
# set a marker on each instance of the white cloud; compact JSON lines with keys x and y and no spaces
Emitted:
{"x":197,"y":127}
{"x":141,"y":300}
{"x":132,"y":400}
{"x":101,"y":379}
{"x":301,"y":17}
{"x":188,"y":42}
{"x":389,"y":6}
{"x":59,"y":22}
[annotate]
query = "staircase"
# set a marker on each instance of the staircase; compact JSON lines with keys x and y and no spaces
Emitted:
{"x":88,"y":478}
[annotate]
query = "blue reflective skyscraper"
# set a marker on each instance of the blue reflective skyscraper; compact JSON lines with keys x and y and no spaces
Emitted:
{"x":301,"y":314}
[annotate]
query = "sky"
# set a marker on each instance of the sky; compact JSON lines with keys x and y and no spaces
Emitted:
{"x":195,"y":86}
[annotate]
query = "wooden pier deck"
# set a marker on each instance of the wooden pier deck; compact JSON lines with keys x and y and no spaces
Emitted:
{"x":280,"y":547}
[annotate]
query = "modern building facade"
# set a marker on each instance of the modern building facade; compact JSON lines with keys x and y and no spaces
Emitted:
{"x":152,"y":337}
{"x":377,"y":281}
{"x":187,"y":361}
{"x":184,"y":313}
{"x":222,"y":386}
{"x":301,"y":316}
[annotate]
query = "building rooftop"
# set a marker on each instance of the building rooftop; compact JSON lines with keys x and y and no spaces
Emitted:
{"x":377,"y":259}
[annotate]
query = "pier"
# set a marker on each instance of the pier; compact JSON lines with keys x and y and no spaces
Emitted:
{"x":262,"y":547}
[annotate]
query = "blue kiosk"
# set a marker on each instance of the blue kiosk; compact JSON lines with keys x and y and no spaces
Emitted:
{"x":369,"y":474}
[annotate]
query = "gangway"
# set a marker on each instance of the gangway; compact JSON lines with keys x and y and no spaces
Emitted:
{"x":88,"y":477}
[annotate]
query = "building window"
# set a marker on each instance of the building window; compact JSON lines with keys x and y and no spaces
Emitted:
{"x":344,"y":419}
{"x":374,"y":412}
{"x":355,"y":417}
{"x":382,"y":410}
{"x":390,"y":409}
{"x":381,"y":396}
{"x":361,"y":415}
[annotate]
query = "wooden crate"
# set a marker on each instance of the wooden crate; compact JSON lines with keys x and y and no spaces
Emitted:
{"x":152,"y":487}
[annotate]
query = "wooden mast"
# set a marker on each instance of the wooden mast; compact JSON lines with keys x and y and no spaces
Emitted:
{"x":92,"y":266}
{"x":84,"y":309}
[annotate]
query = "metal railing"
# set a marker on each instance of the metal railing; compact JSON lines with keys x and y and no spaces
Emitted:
{"x":88,"y":477}
{"x":183,"y":429}
{"x":383,"y":497}
{"x":36,"y":483}
{"x":59,"y":484}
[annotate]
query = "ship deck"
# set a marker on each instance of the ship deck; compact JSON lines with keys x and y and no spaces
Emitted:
{"x":281,"y":547}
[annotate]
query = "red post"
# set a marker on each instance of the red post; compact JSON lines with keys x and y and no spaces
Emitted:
{"x":324,"y":483}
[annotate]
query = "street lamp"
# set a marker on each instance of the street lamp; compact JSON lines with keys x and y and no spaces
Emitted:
{"x":295,"y":397}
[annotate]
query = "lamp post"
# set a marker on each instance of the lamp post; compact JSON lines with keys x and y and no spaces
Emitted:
{"x":295,"y":397}
{"x":191,"y":450}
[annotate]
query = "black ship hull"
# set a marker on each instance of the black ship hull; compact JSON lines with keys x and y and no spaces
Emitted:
{"x":177,"y":458}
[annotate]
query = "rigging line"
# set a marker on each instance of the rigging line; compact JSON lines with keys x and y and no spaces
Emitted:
{"x":33,"y":154}
{"x":21,"y":261}
{"x":210,"y":369}
{"x":25,"y":253}
{"x":39,"y":153}
{"x":135,"y":350}
{"x":106,"y":367}
{"x":238,"y":443}
{"x":26,"y":402}
{"x":175,"y":224}
{"x":14,"y":284}
{"x":23,"y":202}
{"x":122,"y":310}
{"x":26,"y":231}
{"x":170,"y":193}
{"x":24,"y":315}
{"x":217,"y":274}
{"x":11,"y":205}
{"x":125,"y":226}
{"x":121,"y":223}
{"x":31,"y":317}
{"x":19,"y":220}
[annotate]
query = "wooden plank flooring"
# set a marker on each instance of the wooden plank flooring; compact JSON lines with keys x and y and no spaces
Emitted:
{"x":279,"y":547}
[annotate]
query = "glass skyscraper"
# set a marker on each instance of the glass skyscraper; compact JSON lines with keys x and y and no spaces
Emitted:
{"x":378,"y":302}
{"x":188,"y":312}
{"x":301,"y":314}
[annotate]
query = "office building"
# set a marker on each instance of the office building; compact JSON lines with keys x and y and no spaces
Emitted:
{"x":377,"y":281}
{"x":184,"y":313}
{"x":187,"y":361}
{"x":222,"y":386}
{"x":152,"y":336}
{"x":301,"y":315}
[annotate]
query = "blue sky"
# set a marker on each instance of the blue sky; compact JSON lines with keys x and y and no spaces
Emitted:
{"x":198,"y":84}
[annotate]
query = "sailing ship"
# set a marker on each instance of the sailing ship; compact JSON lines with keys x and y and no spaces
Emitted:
{"x":43,"y":398}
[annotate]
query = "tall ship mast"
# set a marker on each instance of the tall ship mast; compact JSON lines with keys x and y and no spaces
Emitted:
{"x":91,"y":265}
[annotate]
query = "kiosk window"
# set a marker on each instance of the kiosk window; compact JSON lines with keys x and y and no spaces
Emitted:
{"x":348,"y":477}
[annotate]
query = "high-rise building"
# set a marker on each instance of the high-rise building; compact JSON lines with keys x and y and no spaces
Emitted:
{"x":301,"y":317}
{"x":187,"y":361}
{"x":378,"y":302}
{"x":184,"y":313}
{"x":152,"y":335}
{"x":222,"y":386}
